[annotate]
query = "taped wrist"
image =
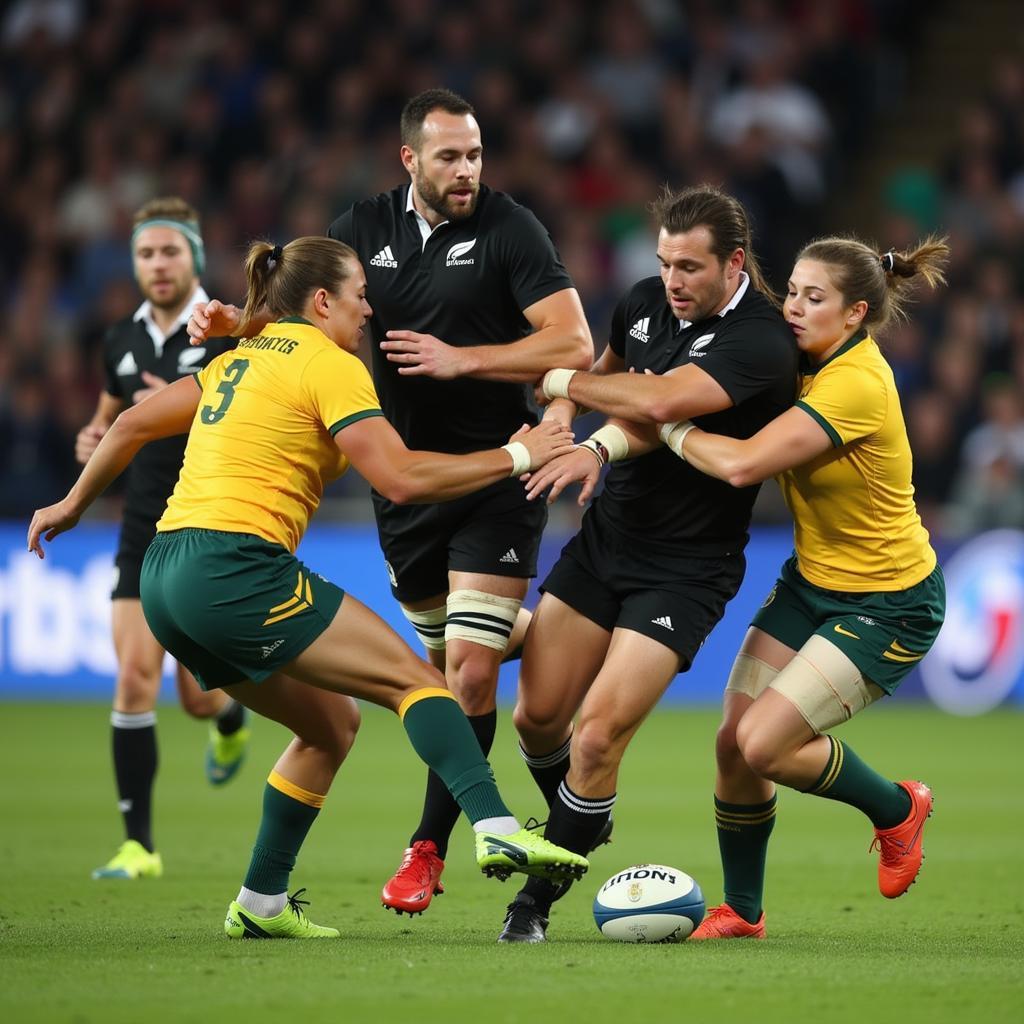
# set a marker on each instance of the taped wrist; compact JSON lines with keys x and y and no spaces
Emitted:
{"x":556,"y":383}
{"x":609,"y":444}
{"x":520,"y":457}
{"x":672,"y":435}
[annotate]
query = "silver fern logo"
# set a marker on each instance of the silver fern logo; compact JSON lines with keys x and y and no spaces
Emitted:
{"x":456,"y":253}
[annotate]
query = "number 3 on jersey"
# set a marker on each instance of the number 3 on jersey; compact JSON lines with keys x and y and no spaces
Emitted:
{"x":232,"y":376}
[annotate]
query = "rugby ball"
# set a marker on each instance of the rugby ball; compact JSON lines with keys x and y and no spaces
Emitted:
{"x":649,"y":903}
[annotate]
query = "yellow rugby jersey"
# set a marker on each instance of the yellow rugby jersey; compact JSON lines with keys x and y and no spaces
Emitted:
{"x":261,"y":446}
{"x":856,"y":527}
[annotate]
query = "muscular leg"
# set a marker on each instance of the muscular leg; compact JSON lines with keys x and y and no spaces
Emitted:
{"x":196,"y":702}
{"x":782,"y":738}
{"x":139,"y":661}
{"x":635,"y":674}
{"x":324,"y":726}
{"x":471,"y":669}
{"x":562,"y":656}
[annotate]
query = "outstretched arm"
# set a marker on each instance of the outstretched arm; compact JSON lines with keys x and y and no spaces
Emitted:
{"x":788,"y":441}
{"x":167,"y":412}
{"x":375,"y":448}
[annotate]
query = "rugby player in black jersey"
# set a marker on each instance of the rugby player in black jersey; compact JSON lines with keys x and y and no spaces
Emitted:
{"x":660,"y":551}
{"x":141,"y":354}
{"x":471,"y":304}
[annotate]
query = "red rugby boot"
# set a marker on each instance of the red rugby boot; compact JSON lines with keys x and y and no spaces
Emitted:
{"x":723,"y":922}
{"x":416,"y":882}
{"x":900,"y":852}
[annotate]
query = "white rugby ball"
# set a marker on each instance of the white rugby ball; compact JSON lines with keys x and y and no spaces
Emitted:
{"x":649,"y":903}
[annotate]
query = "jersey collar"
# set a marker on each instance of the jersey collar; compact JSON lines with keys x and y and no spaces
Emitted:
{"x":421,"y":222}
{"x":732,"y":304}
{"x":159,"y":339}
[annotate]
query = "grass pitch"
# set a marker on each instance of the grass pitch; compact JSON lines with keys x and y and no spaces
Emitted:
{"x":83,"y":952}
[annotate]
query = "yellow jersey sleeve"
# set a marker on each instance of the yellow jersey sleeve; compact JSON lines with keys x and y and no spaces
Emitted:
{"x":848,"y":400}
{"x":339,"y":389}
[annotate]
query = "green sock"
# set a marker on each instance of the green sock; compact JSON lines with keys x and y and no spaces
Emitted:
{"x":743,"y":831}
{"x":288,"y":813}
{"x":848,"y":779}
{"x":444,"y":739}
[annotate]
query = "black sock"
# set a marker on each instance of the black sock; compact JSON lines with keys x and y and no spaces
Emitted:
{"x":135,"y":762}
{"x":548,"y":770}
{"x":574,"y":823}
{"x":440,"y":811}
{"x":231,"y":719}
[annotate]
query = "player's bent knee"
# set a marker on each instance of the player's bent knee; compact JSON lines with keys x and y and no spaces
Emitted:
{"x":596,"y":745}
{"x":761,"y":755}
{"x":728,"y":755}
{"x":137,"y":686}
{"x":481,"y":618}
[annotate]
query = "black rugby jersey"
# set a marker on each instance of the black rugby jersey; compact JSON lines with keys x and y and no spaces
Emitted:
{"x":128,"y":350}
{"x":658,"y":498}
{"x":468,"y":285}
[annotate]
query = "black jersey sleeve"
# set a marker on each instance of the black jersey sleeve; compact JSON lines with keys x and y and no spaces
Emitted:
{"x":535,"y":269}
{"x":746,"y":357}
{"x":343,"y":228}
{"x":111,"y":381}
{"x":617,"y":334}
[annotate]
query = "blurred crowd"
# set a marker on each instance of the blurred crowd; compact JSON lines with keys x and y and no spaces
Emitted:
{"x":271,"y":119}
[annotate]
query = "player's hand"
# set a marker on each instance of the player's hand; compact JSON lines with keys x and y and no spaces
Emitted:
{"x":544,"y":442}
{"x":88,"y":438}
{"x":153,"y":385}
{"x":48,"y":522}
{"x":577,"y":466}
{"x":423,"y":355}
{"x":213,"y":319}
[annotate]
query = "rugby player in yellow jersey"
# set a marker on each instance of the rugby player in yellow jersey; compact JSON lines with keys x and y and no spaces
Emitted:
{"x":861,"y":600}
{"x":222,"y":590}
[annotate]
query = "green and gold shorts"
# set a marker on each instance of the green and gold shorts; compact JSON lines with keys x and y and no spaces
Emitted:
{"x":231,"y":606}
{"x":884,"y":633}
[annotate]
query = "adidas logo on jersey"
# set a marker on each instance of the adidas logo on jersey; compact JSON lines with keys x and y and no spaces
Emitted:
{"x":664,"y":620}
{"x":127,"y":366}
{"x":696,"y":349}
{"x":457,"y":251}
{"x":640,"y":330}
{"x":510,"y":557}
{"x":385,"y":258}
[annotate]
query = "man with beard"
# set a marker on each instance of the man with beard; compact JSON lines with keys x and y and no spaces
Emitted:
{"x":141,"y":354}
{"x":470,"y":304}
{"x":660,"y":551}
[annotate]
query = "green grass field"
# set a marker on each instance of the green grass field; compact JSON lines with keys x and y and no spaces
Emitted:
{"x":77,"y":951}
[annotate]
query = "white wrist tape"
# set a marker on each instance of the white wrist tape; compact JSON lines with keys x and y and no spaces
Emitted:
{"x":520,"y":457}
{"x":556,"y":383}
{"x":672,"y":435}
{"x":611,"y":443}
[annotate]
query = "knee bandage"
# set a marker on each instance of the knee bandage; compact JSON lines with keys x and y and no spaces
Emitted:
{"x":481,"y":618}
{"x":429,"y":625}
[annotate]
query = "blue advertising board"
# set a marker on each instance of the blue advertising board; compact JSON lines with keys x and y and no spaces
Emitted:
{"x":55,"y":614}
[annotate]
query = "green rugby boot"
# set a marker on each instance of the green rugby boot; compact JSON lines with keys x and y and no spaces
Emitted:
{"x":225,"y":754}
{"x":529,"y":853}
{"x":291,"y":923}
{"x":131,"y":861}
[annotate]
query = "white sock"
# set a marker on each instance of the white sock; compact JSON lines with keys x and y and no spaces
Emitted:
{"x":261,"y":904}
{"x":503,"y":826}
